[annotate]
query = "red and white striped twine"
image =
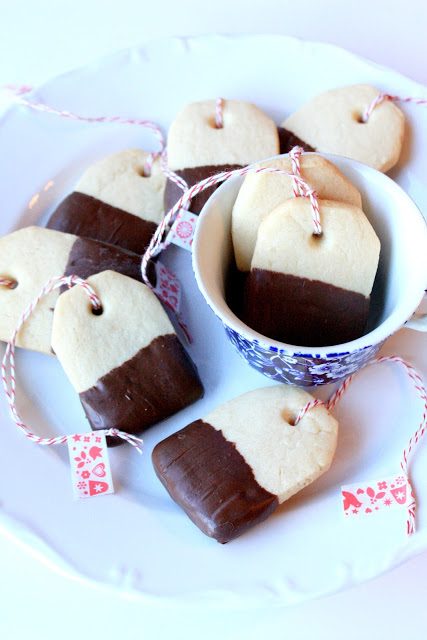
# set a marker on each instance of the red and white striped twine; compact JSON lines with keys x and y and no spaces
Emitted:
{"x":299,"y":191}
{"x":295,"y":155}
{"x":415,"y":438}
{"x":8,"y":366}
{"x":387,"y":96}
{"x":171,"y":175}
{"x":156,"y":244}
{"x":219,"y":113}
{"x":174,"y":177}
{"x":63,"y":113}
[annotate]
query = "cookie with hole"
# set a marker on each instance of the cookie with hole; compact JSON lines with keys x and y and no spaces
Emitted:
{"x":126,"y":362}
{"x":312,"y":290}
{"x":231,"y":469}
{"x":333,"y":122}
{"x":118,"y":200}
{"x":31,"y":257}
{"x":199,"y":148}
{"x":260,"y":193}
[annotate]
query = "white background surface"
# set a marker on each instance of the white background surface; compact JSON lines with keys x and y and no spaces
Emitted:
{"x":41,"y":39}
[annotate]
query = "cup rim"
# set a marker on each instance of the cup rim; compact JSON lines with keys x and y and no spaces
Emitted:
{"x":388,"y":326}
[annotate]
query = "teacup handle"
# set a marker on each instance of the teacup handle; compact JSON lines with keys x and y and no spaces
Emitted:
{"x":418,"y":322}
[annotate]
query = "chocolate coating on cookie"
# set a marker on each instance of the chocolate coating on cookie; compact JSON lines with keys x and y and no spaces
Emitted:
{"x":231,"y":469}
{"x":300,"y":311}
{"x":288,"y":141}
{"x":308,"y":290}
{"x":86,"y":216}
{"x":193,"y":176}
{"x":88,"y":257}
{"x":155,"y":383}
{"x":126,"y":363}
{"x":206,"y":475}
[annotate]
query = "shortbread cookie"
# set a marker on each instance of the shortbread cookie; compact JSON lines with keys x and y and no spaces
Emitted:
{"x":260,"y":193}
{"x":127,"y":364}
{"x":32,"y":256}
{"x":230,"y":470}
{"x":309,"y":290}
{"x":332,"y":122}
{"x":197,"y":149}
{"x":115,"y":202}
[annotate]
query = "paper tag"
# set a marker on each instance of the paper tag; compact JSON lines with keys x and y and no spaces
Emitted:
{"x":168,"y":287}
{"x":90,"y":465}
{"x":365,"y":499}
{"x":182,"y":231}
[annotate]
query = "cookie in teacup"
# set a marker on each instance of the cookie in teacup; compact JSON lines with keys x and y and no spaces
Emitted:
{"x":260,"y":193}
{"x":311,"y":290}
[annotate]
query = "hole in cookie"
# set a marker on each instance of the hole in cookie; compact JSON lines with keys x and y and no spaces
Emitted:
{"x":288,"y":417}
{"x":98,"y":311}
{"x":8,"y":283}
{"x":316,"y":238}
{"x":213,"y":124}
{"x":144,"y":172}
{"x":359,"y":117}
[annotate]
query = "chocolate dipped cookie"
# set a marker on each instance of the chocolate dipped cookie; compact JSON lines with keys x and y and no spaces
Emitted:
{"x":115,"y":202}
{"x":126,"y":363}
{"x":312,"y":290}
{"x":198,"y":149}
{"x":260,"y":193}
{"x":230,"y":470}
{"x":32,"y":256}
{"x":332,"y":122}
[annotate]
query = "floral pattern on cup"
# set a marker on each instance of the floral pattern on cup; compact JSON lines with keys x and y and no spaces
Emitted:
{"x":301,"y":369}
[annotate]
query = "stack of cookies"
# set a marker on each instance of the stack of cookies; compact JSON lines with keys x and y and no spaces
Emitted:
{"x":295,"y":286}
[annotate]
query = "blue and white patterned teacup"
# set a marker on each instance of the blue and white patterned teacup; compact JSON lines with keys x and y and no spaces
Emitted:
{"x":400,"y":284}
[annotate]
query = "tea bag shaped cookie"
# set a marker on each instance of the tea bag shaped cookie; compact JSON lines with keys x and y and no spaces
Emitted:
{"x":127,"y":364}
{"x":115,"y":202}
{"x":332,"y":122}
{"x":260,"y":193}
{"x":312,"y":290}
{"x":231,"y":469}
{"x":198,"y":149}
{"x":32,"y":256}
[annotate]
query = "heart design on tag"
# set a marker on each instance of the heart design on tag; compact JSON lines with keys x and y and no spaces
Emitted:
{"x":399,"y":494}
{"x":97,"y":487}
{"x":99,"y":470}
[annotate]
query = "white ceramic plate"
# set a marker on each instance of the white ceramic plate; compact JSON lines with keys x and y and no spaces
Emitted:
{"x":138,"y":538}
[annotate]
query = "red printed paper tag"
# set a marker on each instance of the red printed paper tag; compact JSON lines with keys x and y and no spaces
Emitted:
{"x":90,"y":465}
{"x":365,"y":499}
{"x":168,"y":287}
{"x":182,"y":231}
